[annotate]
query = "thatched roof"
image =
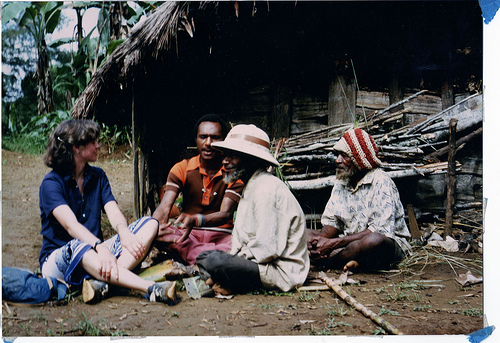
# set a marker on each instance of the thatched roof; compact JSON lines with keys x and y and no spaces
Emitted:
{"x":147,"y":41}
{"x":283,"y":41}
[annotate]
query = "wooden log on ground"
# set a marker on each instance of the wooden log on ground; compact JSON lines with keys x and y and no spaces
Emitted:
{"x":366,"y":312}
{"x":451,"y":179}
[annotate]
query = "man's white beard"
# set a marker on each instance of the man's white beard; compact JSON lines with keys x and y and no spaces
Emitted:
{"x":342,"y":174}
{"x":234,"y":176}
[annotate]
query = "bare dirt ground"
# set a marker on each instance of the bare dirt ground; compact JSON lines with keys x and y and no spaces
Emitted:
{"x":422,"y":298}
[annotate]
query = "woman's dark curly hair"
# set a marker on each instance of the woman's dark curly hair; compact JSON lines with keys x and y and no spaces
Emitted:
{"x":72,"y":132}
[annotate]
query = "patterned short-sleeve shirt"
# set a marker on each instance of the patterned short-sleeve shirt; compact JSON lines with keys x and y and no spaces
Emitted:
{"x":373,"y":204}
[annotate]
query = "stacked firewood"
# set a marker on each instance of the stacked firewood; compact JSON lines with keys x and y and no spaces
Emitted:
{"x":308,"y":160}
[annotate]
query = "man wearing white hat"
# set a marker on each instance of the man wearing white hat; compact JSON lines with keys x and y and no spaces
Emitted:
{"x":363,"y":222}
{"x":269,"y":246}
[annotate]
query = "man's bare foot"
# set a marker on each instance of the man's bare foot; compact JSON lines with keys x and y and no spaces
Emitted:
{"x":218,"y":289}
{"x":209,"y":282}
{"x":351,"y":265}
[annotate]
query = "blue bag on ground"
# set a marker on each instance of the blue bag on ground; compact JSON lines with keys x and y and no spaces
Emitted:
{"x":22,"y":286}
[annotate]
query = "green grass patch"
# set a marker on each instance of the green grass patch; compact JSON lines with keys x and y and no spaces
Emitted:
{"x":306,"y":296}
{"x":25,"y":144}
{"x":338,"y":311}
{"x":388,"y":311}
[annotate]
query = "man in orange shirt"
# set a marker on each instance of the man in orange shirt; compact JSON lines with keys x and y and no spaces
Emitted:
{"x":208,"y":202}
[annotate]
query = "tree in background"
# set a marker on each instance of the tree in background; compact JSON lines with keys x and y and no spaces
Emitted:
{"x":61,"y":74}
{"x":39,"y":19}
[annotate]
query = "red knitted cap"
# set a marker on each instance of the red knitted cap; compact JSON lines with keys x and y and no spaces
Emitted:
{"x":360,"y":147}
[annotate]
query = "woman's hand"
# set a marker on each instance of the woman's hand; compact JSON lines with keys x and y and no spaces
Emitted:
{"x":133,"y":244}
{"x":107,"y":262}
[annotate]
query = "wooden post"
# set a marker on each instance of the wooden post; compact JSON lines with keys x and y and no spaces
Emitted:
{"x":135,"y":160}
{"x":143,"y":185}
{"x":281,"y":116}
{"x":341,"y":101}
{"x":451,"y":179}
{"x":396,"y":93}
{"x":447,"y":96}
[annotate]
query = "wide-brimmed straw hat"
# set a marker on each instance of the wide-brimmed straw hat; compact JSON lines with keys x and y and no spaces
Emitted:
{"x":250,"y":140}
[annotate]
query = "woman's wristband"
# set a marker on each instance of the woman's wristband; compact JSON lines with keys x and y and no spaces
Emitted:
{"x":96,"y":244}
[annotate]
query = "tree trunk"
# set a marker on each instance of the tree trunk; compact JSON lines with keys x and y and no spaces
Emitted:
{"x":45,"y":99}
{"x":116,"y":15}
{"x":79,"y":26}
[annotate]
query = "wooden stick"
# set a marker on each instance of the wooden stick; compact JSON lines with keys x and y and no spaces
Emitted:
{"x":413,"y":224}
{"x":451,"y":179}
{"x":444,"y":150}
{"x":366,"y":312}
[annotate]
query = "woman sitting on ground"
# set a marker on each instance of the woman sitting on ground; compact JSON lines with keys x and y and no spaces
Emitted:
{"x":72,"y":197}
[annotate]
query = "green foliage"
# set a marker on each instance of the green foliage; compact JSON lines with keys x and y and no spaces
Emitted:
{"x":115,"y":136}
{"x":32,"y":138}
{"x":26,"y":329}
{"x":327,"y":329}
{"x":472,"y":312}
{"x":388,"y":311}
{"x":307,"y":296}
{"x":421,"y":308}
{"x":378,"y":331}
{"x":90,"y":328}
{"x":411,"y":285}
{"x":338,"y":311}
{"x":39,"y":18}
{"x":271,"y":306}
{"x":271,"y":292}
{"x":23,"y":129}
{"x":398,"y":294}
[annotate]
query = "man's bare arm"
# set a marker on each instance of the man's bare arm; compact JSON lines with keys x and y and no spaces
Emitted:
{"x":162,"y":212}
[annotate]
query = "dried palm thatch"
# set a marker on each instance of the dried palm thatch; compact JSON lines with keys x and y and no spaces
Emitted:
{"x":148,"y":41}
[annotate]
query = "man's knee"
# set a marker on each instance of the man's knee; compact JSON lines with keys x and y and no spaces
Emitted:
{"x":212,"y":259}
{"x":375,"y":240}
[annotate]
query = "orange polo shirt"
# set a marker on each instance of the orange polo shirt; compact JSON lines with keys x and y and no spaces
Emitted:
{"x":201,"y":194}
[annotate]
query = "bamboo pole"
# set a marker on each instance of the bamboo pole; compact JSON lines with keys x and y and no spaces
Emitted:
{"x":366,"y":312}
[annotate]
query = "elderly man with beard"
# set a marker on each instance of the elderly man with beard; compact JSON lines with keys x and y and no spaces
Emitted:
{"x":363,"y":222}
{"x":268,"y":246}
